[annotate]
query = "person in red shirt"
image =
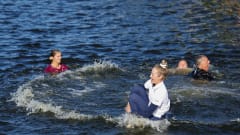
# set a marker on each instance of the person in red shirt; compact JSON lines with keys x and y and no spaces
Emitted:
{"x":55,"y":66}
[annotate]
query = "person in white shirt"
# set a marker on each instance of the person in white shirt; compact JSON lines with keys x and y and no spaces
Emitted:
{"x":151,"y":100}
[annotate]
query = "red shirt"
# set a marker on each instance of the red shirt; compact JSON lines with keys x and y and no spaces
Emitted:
{"x":52,"y":70}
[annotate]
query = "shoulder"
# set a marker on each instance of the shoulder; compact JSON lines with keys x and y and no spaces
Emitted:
{"x":64,"y":66}
{"x":161,"y":88}
{"x":48,"y":68}
{"x":202,"y":74}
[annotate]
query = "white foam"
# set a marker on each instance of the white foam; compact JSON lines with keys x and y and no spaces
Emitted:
{"x":24,"y":97}
{"x":99,"y":66}
{"x":133,"y":121}
{"x":237,"y":120}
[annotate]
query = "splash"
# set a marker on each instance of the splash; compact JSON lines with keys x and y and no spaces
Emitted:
{"x":133,"y":121}
{"x":55,"y":94}
{"x":24,"y":97}
{"x":99,"y":67}
{"x":236,"y":120}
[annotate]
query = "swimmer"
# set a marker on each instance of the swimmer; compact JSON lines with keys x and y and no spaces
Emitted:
{"x":201,"y":72}
{"x":182,"y":64}
{"x":151,"y":100}
{"x":55,"y":67}
{"x":181,"y":69}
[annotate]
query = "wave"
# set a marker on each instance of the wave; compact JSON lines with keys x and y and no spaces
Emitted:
{"x":45,"y":94}
{"x":24,"y":97}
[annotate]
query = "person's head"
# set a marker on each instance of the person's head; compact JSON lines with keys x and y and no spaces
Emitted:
{"x":182,"y":64}
{"x":202,"y":62}
{"x":158,"y":74}
{"x":55,"y":56}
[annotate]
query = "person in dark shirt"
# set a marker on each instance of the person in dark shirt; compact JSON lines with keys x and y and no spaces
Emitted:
{"x":201,"y":70}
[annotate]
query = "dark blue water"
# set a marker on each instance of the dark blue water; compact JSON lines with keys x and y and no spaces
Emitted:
{"x":110,"y":46}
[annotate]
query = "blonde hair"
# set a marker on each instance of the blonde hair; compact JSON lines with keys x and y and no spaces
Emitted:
{"x":161,"y":70}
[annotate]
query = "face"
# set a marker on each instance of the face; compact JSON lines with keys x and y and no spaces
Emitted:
{"x":155,"y":76}
{"x":182,"y":64}
{"x":204,"y":64}
{"x":57,"y":58}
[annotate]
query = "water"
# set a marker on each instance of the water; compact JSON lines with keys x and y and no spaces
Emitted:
{"x":110,"y":46}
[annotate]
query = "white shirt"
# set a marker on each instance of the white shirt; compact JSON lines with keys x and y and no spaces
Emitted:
{"x":158,"y":95}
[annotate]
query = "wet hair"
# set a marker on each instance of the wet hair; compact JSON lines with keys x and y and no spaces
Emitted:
{"x":162,"y":70}
{"x":180,"y":62}
{"x":199,"y":59}
{"x":53,"y":53}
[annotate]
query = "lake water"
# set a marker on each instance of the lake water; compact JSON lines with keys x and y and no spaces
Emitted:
{"x":109,"y":46}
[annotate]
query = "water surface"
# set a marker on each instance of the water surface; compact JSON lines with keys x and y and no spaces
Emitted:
{"x":110,"y":46}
